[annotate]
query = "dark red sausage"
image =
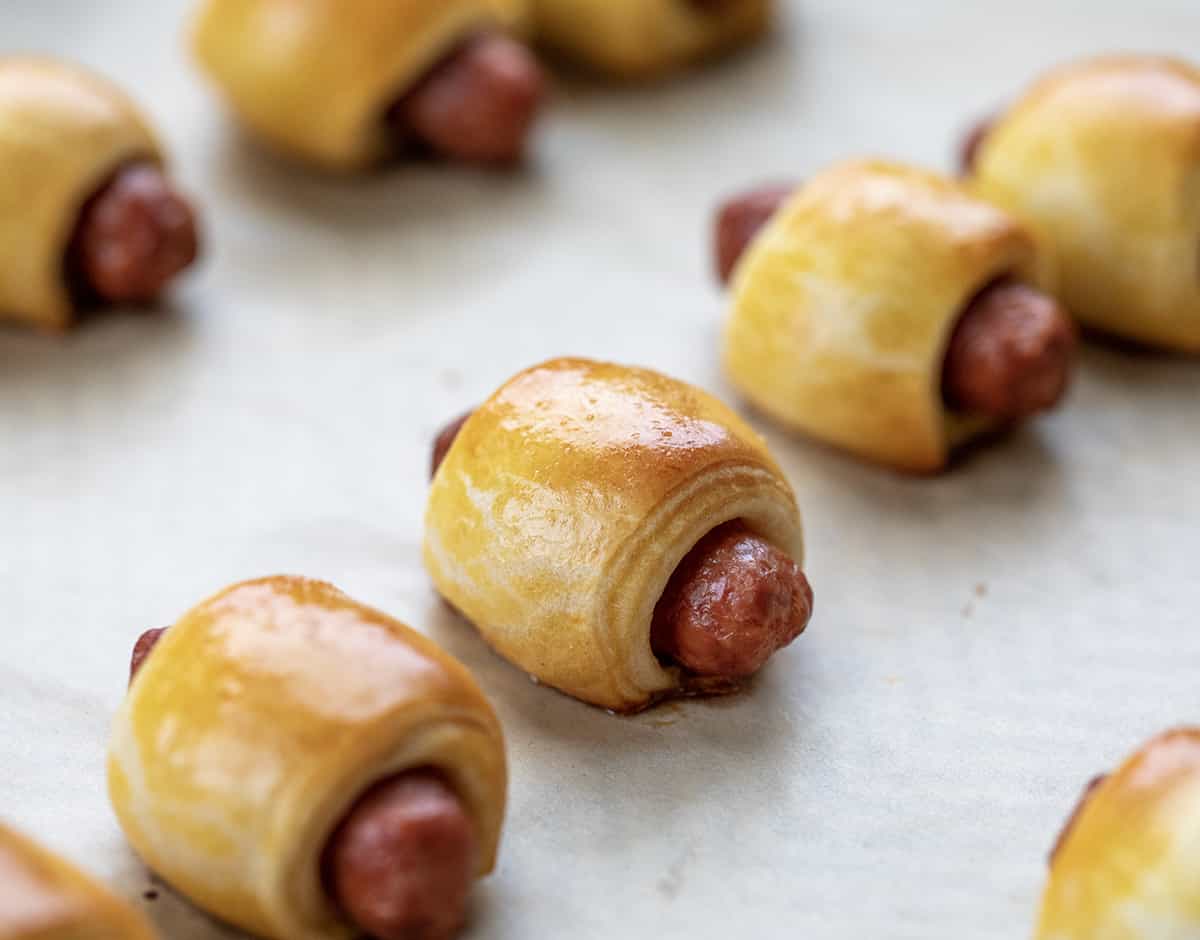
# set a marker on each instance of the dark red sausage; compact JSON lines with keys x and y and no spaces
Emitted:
{"x":441,"y":444}
{"x":1011,"y":353}
{"x":972,"y":144}
{"x":740,"y":219}
{"x":402,"y":862}
{"x":477,"y":105}
{"x":1075,"y":814}
{"x":132,"y":237}
{"x":732,"y":602}
{"x":141,"y":649}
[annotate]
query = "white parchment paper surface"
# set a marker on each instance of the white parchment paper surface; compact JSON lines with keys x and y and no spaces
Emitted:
{"x":984,"y":642}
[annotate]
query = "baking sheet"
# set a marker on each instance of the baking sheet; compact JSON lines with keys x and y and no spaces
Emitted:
{"x":984,"y":642}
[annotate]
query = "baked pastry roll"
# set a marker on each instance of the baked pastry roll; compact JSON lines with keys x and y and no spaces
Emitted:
{"x":344,"y":83}
{"x":1126,"y":866}
{"x":850,"y":305}
{"x":643,"y":38}
{"x":1104,"y":156}
{"x":43,"y":897}
{"x":589,"y":516}
{"x":85,"y":210}
{"x":277,"y":736}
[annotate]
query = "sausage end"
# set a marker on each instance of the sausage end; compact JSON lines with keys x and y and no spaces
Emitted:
{"x":142,"y":648}
{"x":443,"y":442}
{"x":739,"y":220}
{"x":134,"y":236}
{"x":478,"y":105}
{"x":1011,"y":354}
{"x":402,"y":862}
{"x":973,"y":143}
{"x":732,"y":603}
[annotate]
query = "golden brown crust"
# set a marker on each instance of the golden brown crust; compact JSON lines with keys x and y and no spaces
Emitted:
{"x":569,"y":498}
{"x":314,"y":79}
{"x":640,"y":39}
{"x":256,"y":723}
{"x":1127,"y":868}
{"x":63,"y":132}
{"x":843,"y":307}
{"x":43,"y":897}
{"x":1104,"y":157}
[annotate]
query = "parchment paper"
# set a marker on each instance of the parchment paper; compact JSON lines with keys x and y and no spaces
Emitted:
{"x":984,"y":642}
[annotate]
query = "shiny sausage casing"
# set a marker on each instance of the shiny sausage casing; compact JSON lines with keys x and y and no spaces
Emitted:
{"x":731,"y":604}
{"x":1011,"y":354}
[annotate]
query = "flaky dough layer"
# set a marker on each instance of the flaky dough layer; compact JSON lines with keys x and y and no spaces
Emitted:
{"x":258,"y":721}
{"x":565,"y":504}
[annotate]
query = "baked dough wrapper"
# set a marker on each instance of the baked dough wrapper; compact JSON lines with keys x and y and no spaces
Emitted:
{"x":634,"y":39}
{"x":1104,"y":156}
{"x":565,"y":504}
{"x":843,"y":308}
{"x":315,"y":79}
{"x":1127,"y":870}
{"x":43,"y":897}
{"x":64,"y":131}
{"x":259,"y":720}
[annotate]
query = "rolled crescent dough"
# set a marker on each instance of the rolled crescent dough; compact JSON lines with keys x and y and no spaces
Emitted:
{"x":569,"y":498}
{"x":843,"y":307}
{"x":1127,"y":869}
{"x":314,"y":79}
{"x":256,"y":723}
{"x":1104,"y":157}
{"x":63,"y":132}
